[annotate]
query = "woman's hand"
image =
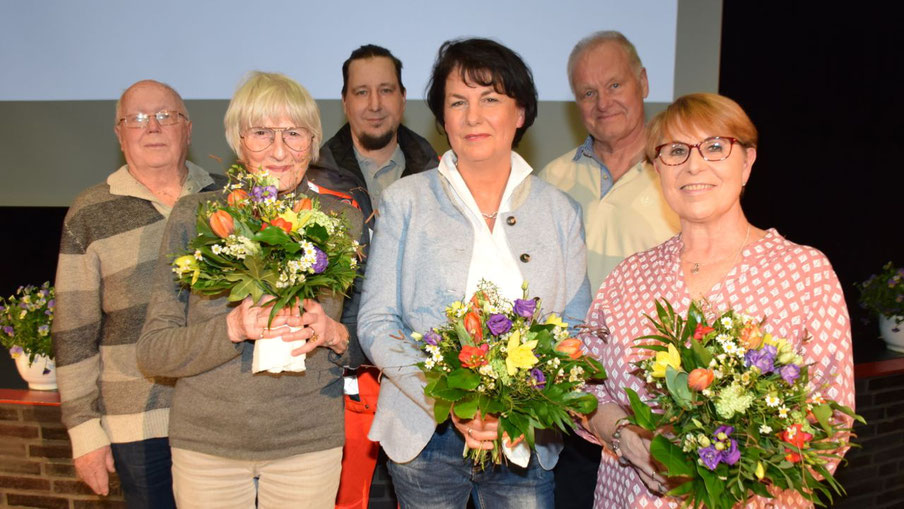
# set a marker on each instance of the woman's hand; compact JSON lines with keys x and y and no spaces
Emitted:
{"x":317,"y":328}
{"x":248,"y":321}
{"x":631,"y":448}
{"x":636,"y":450}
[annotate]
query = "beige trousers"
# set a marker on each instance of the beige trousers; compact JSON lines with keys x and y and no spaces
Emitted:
{"x":305,"y":481}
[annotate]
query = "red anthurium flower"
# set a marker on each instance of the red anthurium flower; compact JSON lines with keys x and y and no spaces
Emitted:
{"x":280,"y":223}
{"x":473,"y":356}
{"x":473,"y":326}
{"x":701,"y":331}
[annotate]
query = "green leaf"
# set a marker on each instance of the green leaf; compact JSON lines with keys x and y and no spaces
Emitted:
{"x":463,"y":378}
{"x":676,"y":381}
{"x":714,"y":486}
{"x":582,"y":402}
{"x":273,"y":236}
{"x":702,"y":354}
{"x":466,"y":407}
{"x":823,"y":412}
{"x":244,"y":288}
{"x":441,"y":409}
{"x":643,"y":414}
{"x":463,"y":337}
{"x":671,"y":456}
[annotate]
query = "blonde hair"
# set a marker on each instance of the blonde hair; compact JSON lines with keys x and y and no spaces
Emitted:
{"x":714,"y":114}
{"x":264,"y":95}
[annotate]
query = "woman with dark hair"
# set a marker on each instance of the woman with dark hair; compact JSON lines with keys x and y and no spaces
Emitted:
{"x":479,"y":216}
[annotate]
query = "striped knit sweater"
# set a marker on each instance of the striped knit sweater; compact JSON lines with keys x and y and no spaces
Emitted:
{"x":110,"y":243}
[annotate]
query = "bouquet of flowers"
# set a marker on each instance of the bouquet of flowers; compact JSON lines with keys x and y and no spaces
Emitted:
{"x":260,"y":244}
{"x":883,"y":293}
{"x":25,"y":320}
{"x":736,"y":411}
{"x":496,"y":357}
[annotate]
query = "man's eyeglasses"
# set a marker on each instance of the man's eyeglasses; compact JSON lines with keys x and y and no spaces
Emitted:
{"x":717,"y":148}
{"x":140,"y":120}
{"x":257,"y":139}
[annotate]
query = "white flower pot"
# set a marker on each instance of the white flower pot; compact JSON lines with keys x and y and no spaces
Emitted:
{"x":34,"y":375}
{"x":892,"y":334}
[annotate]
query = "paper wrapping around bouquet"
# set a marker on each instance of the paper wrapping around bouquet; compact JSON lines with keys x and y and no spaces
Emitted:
{"x":275,"y":355}
{"x":519,"y":454}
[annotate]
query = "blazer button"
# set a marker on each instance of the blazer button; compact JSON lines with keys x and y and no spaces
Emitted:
{"x":511,"y":220}
{"x":525,"y":257}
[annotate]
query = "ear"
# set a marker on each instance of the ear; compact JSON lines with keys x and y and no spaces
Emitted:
{"x":749,"y":158}
{"x":344,"y":105}
{"x":117,"y":130}
{"x":188,"y":125}
{"x":404,"y":100}
{"x":520,"y":122}
{"x":644,"y":84}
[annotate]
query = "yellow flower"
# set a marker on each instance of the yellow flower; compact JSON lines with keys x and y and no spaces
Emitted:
{"x":760,"y":471}
{"x":519,"y":356}
{"x":291,"y":218}
{"x":554,"y":319}
{"x":666,"y":359}
{"x":187,"y":263}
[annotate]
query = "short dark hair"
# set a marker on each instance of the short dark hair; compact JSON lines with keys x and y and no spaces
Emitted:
{"x":371,"y":51}
{"x":486,"y":63}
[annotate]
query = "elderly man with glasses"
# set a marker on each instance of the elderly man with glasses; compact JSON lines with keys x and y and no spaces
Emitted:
{"x":117,"y":418}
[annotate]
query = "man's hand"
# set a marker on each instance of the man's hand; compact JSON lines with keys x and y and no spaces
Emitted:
{"x":94,"y":469}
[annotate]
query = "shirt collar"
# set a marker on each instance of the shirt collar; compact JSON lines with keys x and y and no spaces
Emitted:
{"x":449,"y":170}
{"x":122,"y":183}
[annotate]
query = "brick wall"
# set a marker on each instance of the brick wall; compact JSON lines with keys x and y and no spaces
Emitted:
{"x":36,"y":463}
{"x":874,"y":475}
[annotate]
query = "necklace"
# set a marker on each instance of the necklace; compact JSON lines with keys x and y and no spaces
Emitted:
{"x":695,"y":266}
{"x":489,"y":216}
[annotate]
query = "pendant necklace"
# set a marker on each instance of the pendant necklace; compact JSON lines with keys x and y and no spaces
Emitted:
{"x":695,"y":266}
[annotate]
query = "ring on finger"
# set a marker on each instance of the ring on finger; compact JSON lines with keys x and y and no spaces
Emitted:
{"x":469,"y":432}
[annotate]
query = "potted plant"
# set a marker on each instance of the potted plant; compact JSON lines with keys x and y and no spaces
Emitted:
{"x":25,"y":320}
{"x":883,"y":294}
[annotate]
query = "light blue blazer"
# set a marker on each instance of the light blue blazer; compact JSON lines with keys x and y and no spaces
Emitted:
{"x":418,"y":265}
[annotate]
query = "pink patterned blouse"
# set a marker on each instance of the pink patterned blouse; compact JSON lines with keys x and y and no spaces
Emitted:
{"x":794,"y":286}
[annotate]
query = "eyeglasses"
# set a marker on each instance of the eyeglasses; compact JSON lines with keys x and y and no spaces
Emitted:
{"x":716,"y":148}
{"x":140,"y":120}
{"x":259,"y":138}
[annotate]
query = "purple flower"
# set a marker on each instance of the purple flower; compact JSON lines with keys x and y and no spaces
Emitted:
{"x":321,"y":262}
{"x":51,"y":303}
{"x":499,"y":324}
{"x":789,"y":373}
{"x":2,"y":309}
{"x":16,"y":350}
{"x":9,"y":329}
{"x":525,"y":307}
{"x":728,"y":430}
{"x":732,"y":455}
{"x":539,"y":378}
{"x":431,"y":338}
{"x":710,"y":456}
{"x":763,"y":359}
{"x":262,"y":193}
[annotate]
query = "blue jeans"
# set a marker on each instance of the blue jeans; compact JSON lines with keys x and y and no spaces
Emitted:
{"x":145,"y":473}
{"x":440,"y":478}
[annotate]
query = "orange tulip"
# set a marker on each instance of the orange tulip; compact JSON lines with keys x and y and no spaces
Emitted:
{"x":278,"y":223}
{"x":700,"y":379}
{"x":222,"y":224}
{"x":237,"y":198}
{"x":571,"y":347}
{"x":473,"y":326}
{"x":751,"y":336}
{"x":303,"y":204}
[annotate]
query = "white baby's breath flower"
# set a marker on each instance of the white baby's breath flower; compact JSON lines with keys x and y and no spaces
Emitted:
{"x":765,"y":429}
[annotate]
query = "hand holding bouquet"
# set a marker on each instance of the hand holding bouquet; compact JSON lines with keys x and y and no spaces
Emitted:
{"x":261,"y":244}
{"x":496,"y":357}
{"x":736,"y":413}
